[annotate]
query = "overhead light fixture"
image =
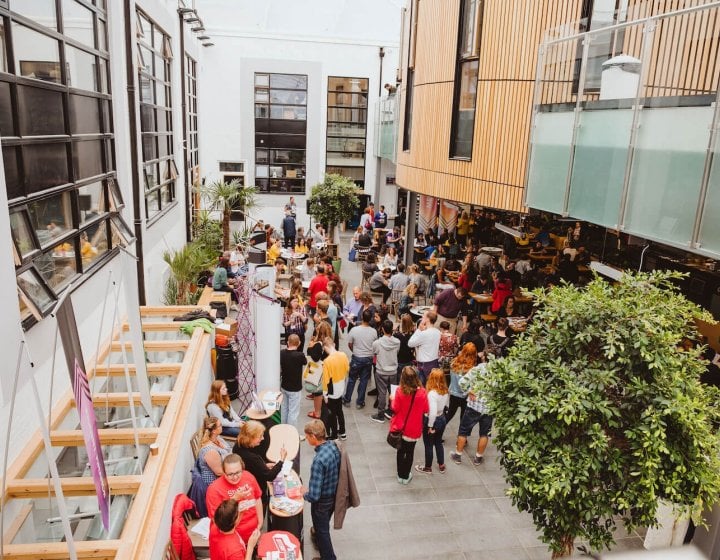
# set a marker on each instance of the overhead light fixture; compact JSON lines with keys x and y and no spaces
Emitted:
{"x":605,"y":270}
{"x":203,"y":37}
{"x":208,"y":44}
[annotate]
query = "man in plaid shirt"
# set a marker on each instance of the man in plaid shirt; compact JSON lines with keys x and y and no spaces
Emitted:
{"x":475,"y":413}
{"x":322,"y":486}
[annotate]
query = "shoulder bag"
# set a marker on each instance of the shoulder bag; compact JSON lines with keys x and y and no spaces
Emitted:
{"x":312,"y":376}
{"x":394,"y":437}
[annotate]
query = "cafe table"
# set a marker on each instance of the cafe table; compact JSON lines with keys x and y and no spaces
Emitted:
{"x":417,"y":311}
{"x":285,"y":511}
{"x":268,"y":417}
{"x":277,"y":545}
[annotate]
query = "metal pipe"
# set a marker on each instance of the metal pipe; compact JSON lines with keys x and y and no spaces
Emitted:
{"x":183,"y":112}
{"x":642,"y":256}
{"x":137,"y":192}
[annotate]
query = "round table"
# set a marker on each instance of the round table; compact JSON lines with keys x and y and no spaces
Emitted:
{"x":278,"y":541}
{"x":279,"y":520}
{"x":417,"y":311}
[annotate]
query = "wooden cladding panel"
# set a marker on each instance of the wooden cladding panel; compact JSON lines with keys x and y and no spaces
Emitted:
{"x":511,"y":34}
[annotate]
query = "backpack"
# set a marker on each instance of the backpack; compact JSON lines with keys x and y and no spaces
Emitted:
{"x":494,"y":348}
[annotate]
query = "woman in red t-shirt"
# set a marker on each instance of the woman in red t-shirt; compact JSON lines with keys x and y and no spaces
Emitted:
{"x":409,"y":405}
{"x":225,"y":543}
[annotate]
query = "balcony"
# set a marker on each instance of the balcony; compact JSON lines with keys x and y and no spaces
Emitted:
{"x":386,"y":128}
{"x":625,"y":128}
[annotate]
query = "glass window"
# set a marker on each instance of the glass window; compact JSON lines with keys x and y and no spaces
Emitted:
{"x":261,"y":156}
{"x":93,"y":243}
{"x":116,"y":199}
{"x":41,"y":12}
{"x":348,"y":84}
{"x":149,"y":145}
{"x":45,"y":166}
{"x":262,"y":95}
{"x":36,"y":55}
{"x":347,"y":130}
{"x":346,"y":144}
{"x":3,"y":54}
{"x":51,"y":217}
{"x":464,"y":114}
{"x":468,"y":37}
{"x":288,"y":112}
{"x":84,"y":115}
{"x":78,"y":22}
{"x":262,"y":111}
{"x":151,"y":176}
{"x":81,"y":67}
{"x":262,"y":80}
{"x":34,"y":289}
{"x":88,"y":158}
{"x":121,"y":234}
{"x":288,"y":81}
{"x":59,"y":265}
{"x":12,"y":175}
{"x":40,"y":111}
{"x":261,"y":171}
{"x":152,"y":203}
{"x":288,"y":97}
{"x":102,"y":35}
{"x":22,"y":233}
{"x":91,"y":200}
{"x":407,"y":121}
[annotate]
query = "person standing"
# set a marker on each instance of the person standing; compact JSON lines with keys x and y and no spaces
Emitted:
{"x":426,"y":341}
{"x":322,"y":487}
{"x":317,"y":284}
{"x":289,"y":230}
{"x":476,"y":413}
{"x":292,"y":361}
{"x":360,"y":342}
{"x":353,"y":308}
{"x":335,"y":374}
{"x":386,"y":350}
{"x":409,"y":405}
{"x":381,"y":218}
{"x":291,"y":207}
{"x":434,"y":422}
{"x":452,"y":304}
{"x":224,"y":541}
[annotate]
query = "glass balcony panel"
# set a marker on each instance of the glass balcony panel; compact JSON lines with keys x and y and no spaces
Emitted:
{"x":667,"y":171}
{"x":560,"y":72}
{"x":551,"y":147}
{"x":710,"y":231}
{"x":598,"y":173}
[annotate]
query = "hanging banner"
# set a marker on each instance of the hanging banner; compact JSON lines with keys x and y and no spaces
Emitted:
{"x":448,"y":216}
{"x":132,"y":305}
{"x":427,"y":213}
{"x":83,"y":401}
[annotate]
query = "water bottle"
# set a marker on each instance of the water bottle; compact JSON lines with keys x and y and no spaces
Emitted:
{"x":279,"y":485}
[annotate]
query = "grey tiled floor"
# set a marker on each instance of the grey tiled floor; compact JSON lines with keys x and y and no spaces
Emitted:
{"x":461,"y":515}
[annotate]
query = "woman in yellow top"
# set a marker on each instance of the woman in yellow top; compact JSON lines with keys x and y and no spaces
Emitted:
{"x":335,"y":372}
{"x":274,"y":252}
{"x":301,"y":247}
{"x":463,"y":227}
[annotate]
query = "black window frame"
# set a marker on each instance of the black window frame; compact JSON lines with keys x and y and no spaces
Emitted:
{"x":464,"y":60}
{"x":69,"y":139}
{"x":165,"y":184}
{"x":273,"y":135}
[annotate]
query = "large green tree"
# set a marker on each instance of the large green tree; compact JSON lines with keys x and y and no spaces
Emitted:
{"x":599,"y":412}
{"x":333,"y":201}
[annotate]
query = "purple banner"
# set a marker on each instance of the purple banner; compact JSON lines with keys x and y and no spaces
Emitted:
{"x":83,"y":401}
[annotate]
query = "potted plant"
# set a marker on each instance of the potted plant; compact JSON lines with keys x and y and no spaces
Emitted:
{"x":599,"y":411}
{"x":333,"y":201}
{"x":225,"y":197}
{"x":185,"y":266}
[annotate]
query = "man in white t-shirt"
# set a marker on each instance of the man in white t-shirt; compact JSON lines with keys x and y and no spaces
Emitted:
{"x":426,"y":341}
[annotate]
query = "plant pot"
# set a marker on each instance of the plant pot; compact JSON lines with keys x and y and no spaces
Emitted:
{"x":337,"y":263}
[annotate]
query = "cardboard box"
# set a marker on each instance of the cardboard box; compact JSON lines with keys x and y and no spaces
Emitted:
{"x":229,"y":327}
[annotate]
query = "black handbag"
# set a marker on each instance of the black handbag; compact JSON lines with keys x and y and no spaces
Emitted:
{"x":394,"y":437}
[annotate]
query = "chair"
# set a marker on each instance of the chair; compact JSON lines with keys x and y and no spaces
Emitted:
{"x":170,"y":552}
{"x":361,"y":253}
{"x":195,"y":442}
{"x":365,"y":280}
{"x":395,"y":296}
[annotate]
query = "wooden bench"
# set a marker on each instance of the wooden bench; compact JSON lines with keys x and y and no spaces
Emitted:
{"x":209,"y":295}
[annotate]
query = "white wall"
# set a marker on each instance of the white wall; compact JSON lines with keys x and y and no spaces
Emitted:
{"x":319,"y":38}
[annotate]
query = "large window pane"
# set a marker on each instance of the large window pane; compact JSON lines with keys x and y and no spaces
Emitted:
{"x":346,"y":144}
{"x":288,"y":97}
{"x":288,"y":81}
{"x":36,"y":55}
{"x":33,"y":288}
{"x":12,"y":176}
{"x":346,"y":129}
{"x":41,"y":111}
{"x":354,"y":173}
{"x":87,"y":158}
{"x":60,"y":265}
{"x":667,"y":171}
{"x":468,"y":37}
{"x":81,"y":66}
{"x":78,"y":22}
{"x":3,"y":51}
{"x":7,"y":120}
{"x":21,"y":232}
{"x":149,"y":145}
{"x":288,"y":112}
{"x":91,"y":200}
{"x":40,"y":11}
{"x":464,"y":114}
{"x":51,"y":217}
{"x":84,"y":115}
{"x":347,"y":115}
{"x":45,"y":166}
{"x":348,"y":84}
{"x":93,"y":243}
{"x":710,"y":231}
{"x":347,"y":99}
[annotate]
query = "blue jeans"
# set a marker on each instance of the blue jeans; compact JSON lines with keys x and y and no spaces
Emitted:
{"x":424,"y":370}
{"x":321,"y":511}
{"x":290,"y":407}
{"x":360,"y":368}
{"x":434,"y":441}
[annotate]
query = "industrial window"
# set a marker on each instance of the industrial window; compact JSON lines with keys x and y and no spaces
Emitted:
{"x":155,"y":87}
{"x":57,"y":145}
{"x":466,"y":79}
{"x":280,"y":132}
{"x":347,"y":101}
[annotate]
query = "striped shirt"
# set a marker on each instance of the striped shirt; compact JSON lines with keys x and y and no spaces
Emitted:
{"x":474,"y":401}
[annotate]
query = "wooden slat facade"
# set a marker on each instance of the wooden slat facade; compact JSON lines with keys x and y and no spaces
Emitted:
{"x":683,"y":61}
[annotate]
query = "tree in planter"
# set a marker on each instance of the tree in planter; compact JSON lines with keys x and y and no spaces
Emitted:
{"x":225,"y":197}
{"x":333,"y":201}
{"x":185,"y":264}
{"x":599,"y":413}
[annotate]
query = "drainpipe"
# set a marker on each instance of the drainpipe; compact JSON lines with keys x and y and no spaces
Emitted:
{"x":378,"y":175}
{"x":183,"y":108}
{"x":134,"y":160}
